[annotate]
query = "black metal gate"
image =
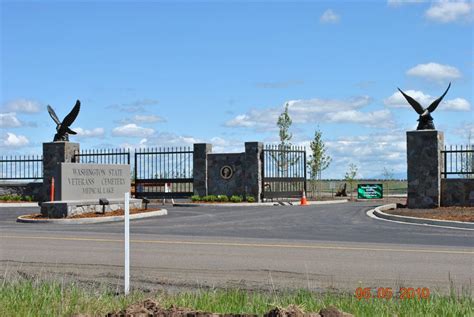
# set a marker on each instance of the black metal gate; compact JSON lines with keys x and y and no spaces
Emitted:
{"x":164,"y":172}
{"x":458,"y":162}
{"x":284,"y":171}
{"x":103,"y":156}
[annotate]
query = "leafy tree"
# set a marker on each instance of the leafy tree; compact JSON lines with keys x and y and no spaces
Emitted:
{"x":388,"y":176}
{"x":351,"y":175}
{"x":284,"y":123}
{"x":281,"y":159}
{"x":318,"y":159}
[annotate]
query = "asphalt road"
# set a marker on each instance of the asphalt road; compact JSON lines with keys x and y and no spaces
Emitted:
{"x":280,"y":247}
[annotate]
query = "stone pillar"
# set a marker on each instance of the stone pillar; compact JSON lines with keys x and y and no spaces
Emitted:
{"x":200,"y":168}
{"x":55,"y":153}
{"x":253,"y":170}
{"x":424,"y":163}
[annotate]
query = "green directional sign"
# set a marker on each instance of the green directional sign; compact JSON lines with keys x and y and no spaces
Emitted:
{"x":369,"y":191}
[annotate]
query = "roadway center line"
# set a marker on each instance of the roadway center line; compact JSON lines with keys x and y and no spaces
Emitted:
{"x":238,"y":244}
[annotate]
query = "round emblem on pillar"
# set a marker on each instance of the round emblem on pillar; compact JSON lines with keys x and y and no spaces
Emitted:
{"x":226,"y":172}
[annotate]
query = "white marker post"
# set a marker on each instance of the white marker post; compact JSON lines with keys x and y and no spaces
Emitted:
{"x":127,"y":243}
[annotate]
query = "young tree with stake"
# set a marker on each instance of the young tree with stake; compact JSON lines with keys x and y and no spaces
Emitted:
{"x":351,"y":175}
{"x":318,"y":160}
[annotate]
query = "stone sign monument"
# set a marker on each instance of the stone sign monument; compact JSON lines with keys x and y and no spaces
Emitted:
{"x":93,"y":181}
{"x":79,"y":187}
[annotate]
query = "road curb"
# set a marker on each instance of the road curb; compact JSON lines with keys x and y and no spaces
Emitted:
{"x":275,"y":203}
{"x":14,"y":205}
{"x":378,"y":212}
{"x":79,"y":221}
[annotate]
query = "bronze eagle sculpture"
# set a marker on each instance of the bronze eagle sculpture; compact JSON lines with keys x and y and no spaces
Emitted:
{"x":62,"y":128}
{"x":425,"y":121}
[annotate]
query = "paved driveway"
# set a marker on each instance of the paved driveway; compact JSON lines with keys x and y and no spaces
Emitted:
{"x":255,"y":247}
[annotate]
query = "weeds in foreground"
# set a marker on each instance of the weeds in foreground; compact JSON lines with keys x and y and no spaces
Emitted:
{"x":35,"y":298}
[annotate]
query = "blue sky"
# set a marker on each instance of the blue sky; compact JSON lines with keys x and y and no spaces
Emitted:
{"x":174,"y":73}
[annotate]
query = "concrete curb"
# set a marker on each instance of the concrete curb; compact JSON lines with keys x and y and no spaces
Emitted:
{"x":79,"y":221}
{"x":377,"y":212}
{"x":275,"y":203}
{"x":6,"y":205}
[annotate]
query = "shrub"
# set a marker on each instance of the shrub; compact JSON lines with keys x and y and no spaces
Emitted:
{"x":196,"y":198}
{"x":209,"y":198}
{"x":250,"y":199}
{"x":222,"y":198}
{"x":236,"y":199}
{"x":28,"y":198}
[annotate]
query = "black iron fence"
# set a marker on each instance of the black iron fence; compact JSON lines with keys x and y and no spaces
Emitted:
{"x":164,"y":172}
{"x":284,"y":171}
{"x":103,"y":156}
{"x":458,"y":161}
{"x":22,"y":167}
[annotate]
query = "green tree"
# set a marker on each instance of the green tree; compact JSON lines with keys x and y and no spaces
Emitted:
{"x":351,"y":175}
{"x":318,"y":159}
{"x":284,"y":123}
{"x":388,"y":176}
{"x":281,"y":158}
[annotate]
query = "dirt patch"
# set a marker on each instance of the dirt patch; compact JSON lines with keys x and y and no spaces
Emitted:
{"x":152,"y":308}
{"x":442,"y":213}
{"x":118,"y":212}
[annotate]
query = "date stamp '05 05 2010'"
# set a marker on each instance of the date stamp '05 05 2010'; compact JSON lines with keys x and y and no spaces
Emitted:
{"x":387,"y":293}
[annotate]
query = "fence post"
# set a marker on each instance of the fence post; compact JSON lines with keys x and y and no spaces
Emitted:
{"x":253,"y":167}
{"x":55,"y":153}
{"x":201,"y":150}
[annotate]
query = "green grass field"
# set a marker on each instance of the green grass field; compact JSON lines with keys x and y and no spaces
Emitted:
{"x":35,"y":298}
{"x":329,"y":187}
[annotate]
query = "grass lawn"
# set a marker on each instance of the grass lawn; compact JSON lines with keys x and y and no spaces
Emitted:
{"x":46,"y":298}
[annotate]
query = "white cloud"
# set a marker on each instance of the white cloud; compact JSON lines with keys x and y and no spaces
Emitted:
{"x":254,"y":119}
{"x":401,"y":2}
{"x":134,"y":106}
{"x":94,"y":133}
{"x":457,"y":104}
{"x":396,"y":100}
{"x":148,"y":118}
{"x":166,"y":139}
{"x":371,"y":153}
{"x":163,"y":139}
{"x":450,"y":11}
{"x":314,"y":111}
{"x":171,"y":139}
{"x":132,"y":130}
{"x":434,"y":71}
{"x":329,"y":17}
{"x":13,"y":140}
{"x":23,"y":105}
{"x":227,"y":145}
{"x":9,"y":120}
{"x":374,"y":118}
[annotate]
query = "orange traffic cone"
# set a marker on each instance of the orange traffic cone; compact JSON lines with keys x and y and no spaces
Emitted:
{"x":303,"y":201}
